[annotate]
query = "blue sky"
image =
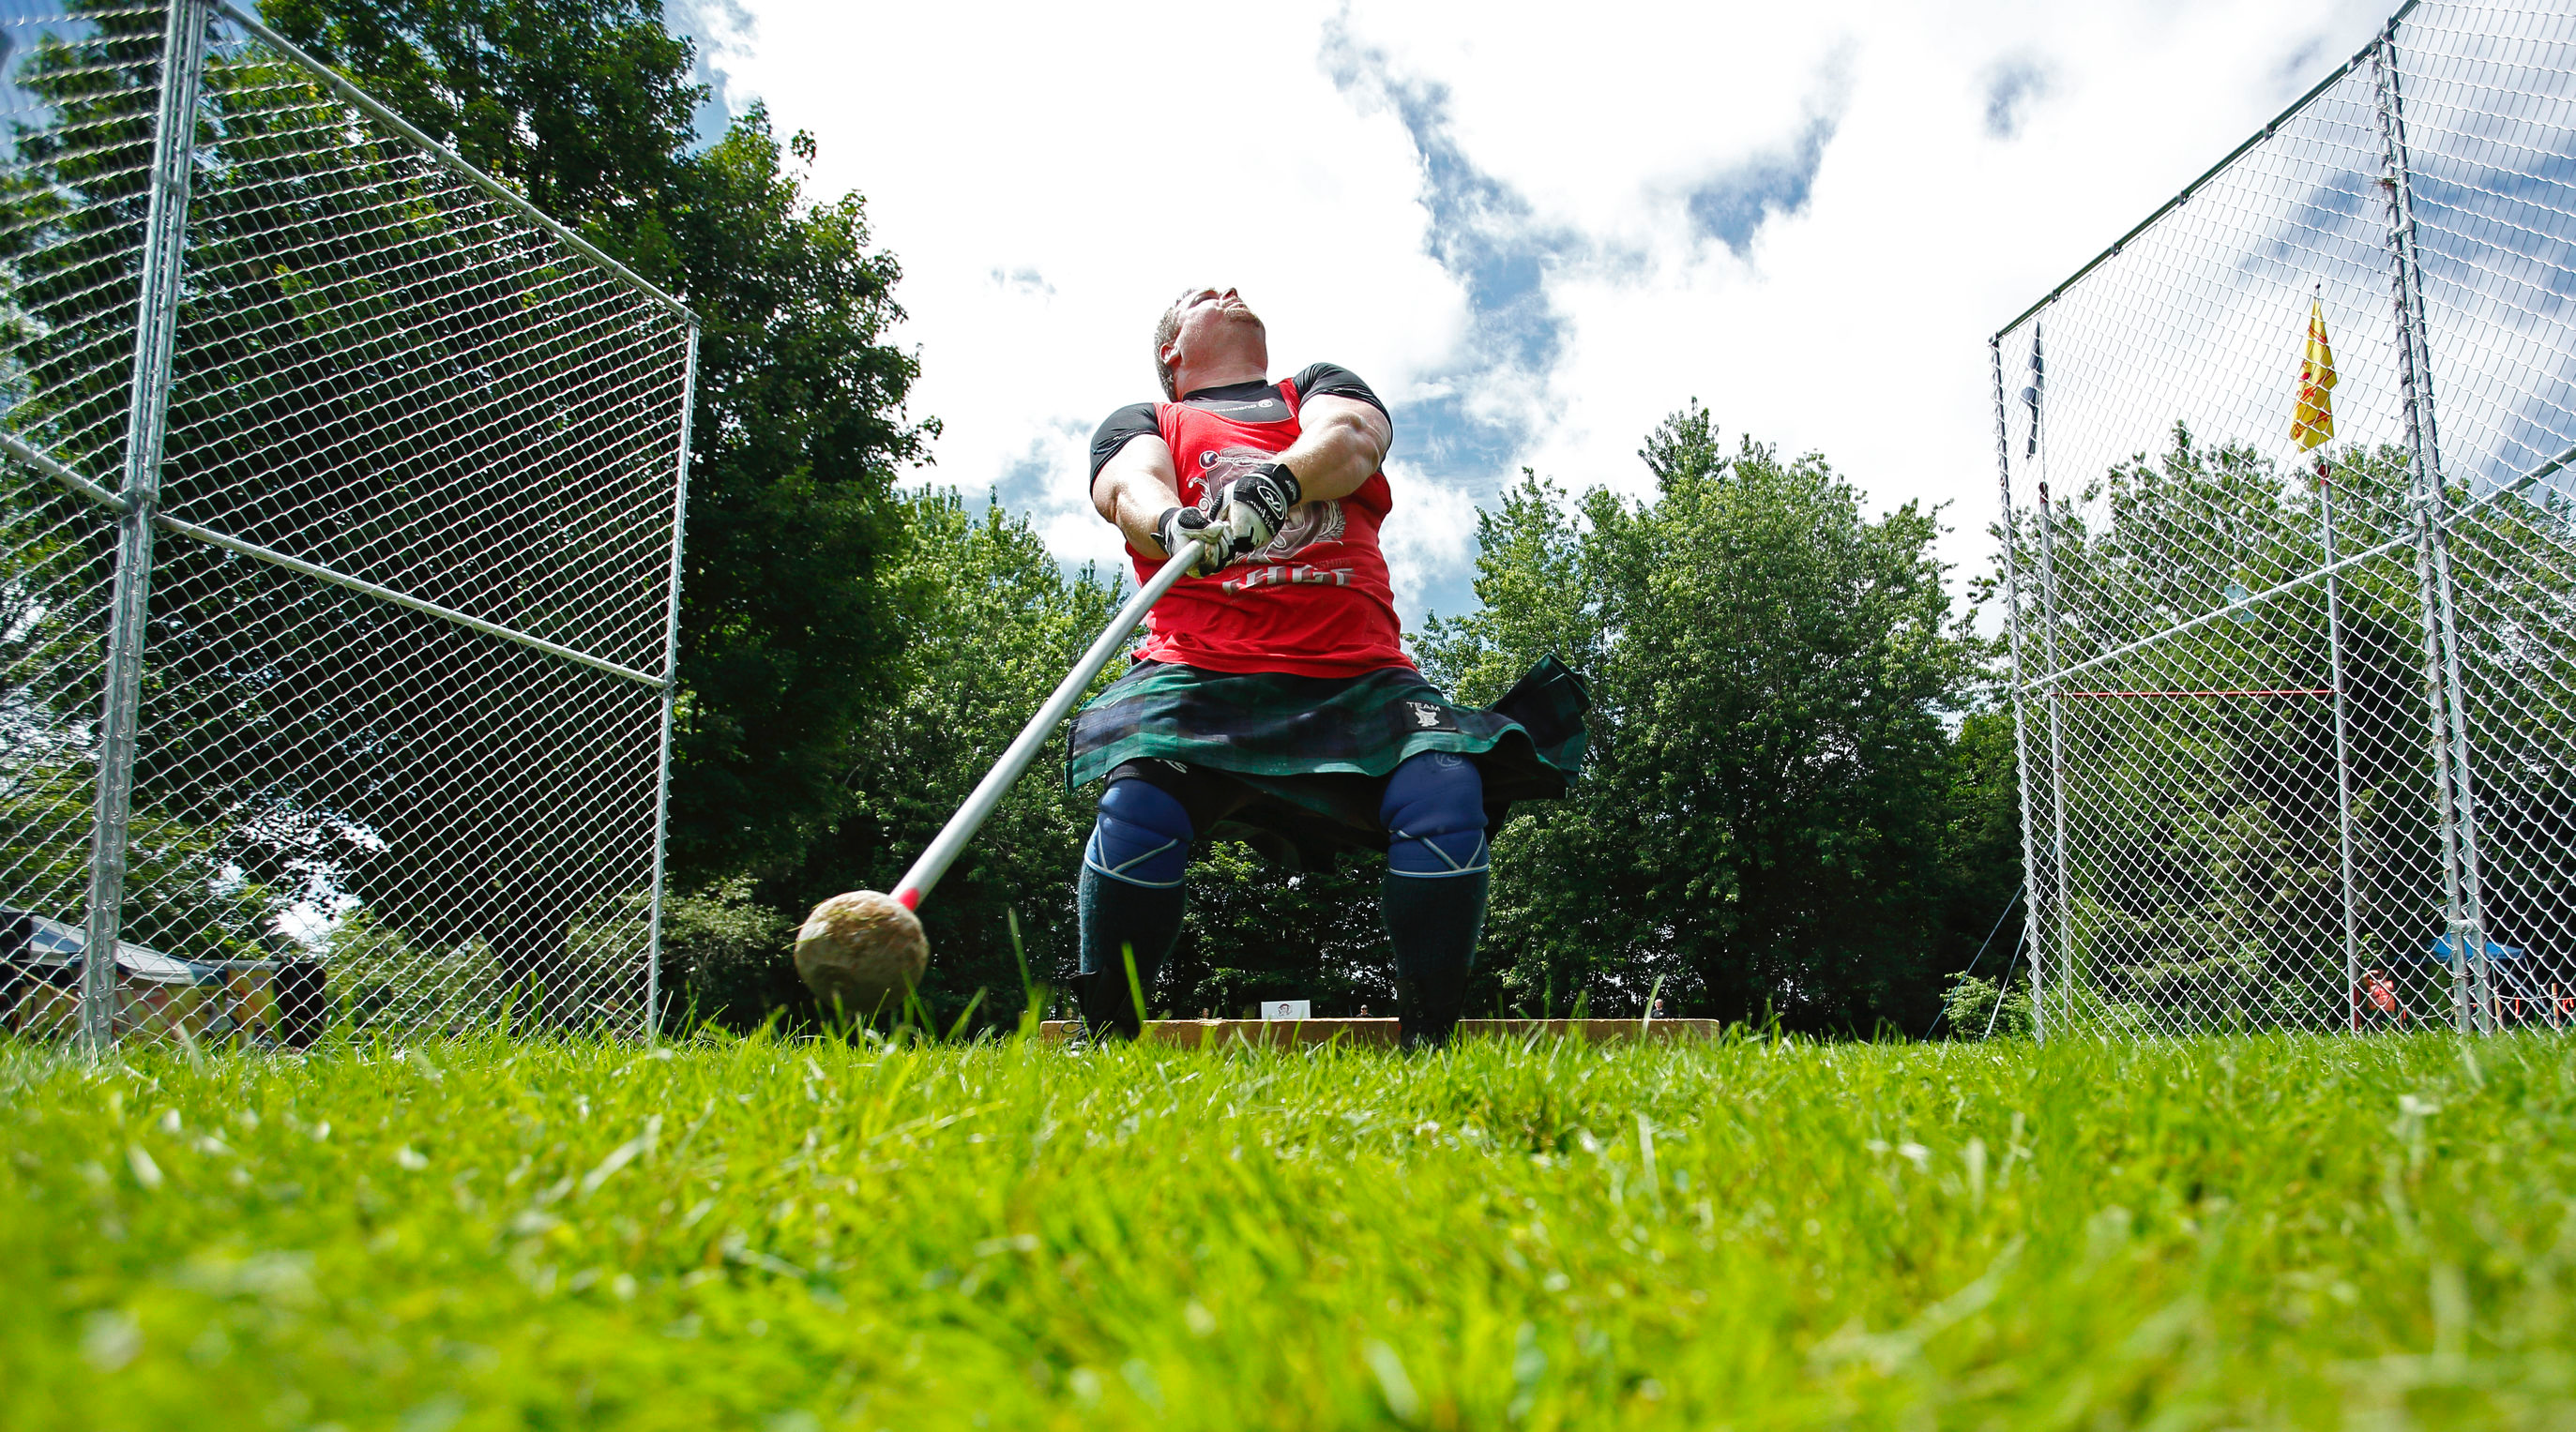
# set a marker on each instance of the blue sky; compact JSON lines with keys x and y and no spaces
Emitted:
{"x":1535,"y":231}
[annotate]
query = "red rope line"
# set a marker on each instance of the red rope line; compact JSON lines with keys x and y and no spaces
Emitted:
{"x":2329,"y":691}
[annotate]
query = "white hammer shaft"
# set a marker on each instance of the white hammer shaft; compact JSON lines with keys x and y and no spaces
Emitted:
{"x":970,"y":817}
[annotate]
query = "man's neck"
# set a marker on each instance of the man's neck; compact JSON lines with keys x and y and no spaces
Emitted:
{"x":1219,"y":375}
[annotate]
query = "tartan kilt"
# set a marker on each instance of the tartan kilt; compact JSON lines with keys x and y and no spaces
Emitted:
{"x":1317,"y":750}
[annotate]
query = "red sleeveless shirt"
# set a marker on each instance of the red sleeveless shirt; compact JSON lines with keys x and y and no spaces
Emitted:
{"x":1316,"y":601}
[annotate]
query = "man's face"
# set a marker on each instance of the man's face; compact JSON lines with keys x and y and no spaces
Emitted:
{"x":1212,"y":318}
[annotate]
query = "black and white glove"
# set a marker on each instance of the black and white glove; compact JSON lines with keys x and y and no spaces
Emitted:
{"x":1181,"y":527}
{"x":1254,"y":505}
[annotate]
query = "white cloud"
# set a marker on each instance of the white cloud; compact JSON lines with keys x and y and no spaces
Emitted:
{"x":1050,"y":175}
{"x":1432,"y":531}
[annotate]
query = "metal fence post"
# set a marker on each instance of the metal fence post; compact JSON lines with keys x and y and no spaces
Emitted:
{"x":2021,"y":716}
{"x":670,"y":695}
{"x":2455,"y":690}
{"x":2057,"y":903}
{"x":2057,"y":895}
{"x":2442,"y":689}
{"x":183,"y":60}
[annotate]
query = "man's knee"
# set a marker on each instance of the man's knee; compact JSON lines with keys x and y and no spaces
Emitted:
{"x":1434,"y":813}
{"x":1141,"y":836}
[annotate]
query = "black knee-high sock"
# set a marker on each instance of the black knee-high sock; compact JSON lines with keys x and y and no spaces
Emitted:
{"x":1118,"y":917}
{"x":1435,"y":924}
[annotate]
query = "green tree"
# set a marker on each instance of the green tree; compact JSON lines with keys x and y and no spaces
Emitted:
{"x":2202,"y":882}
{"x":1974,"y":1007}
{"x":994,"y":624}
{"x":1760,"y":825}
{"x":1980,"y":863}
{"x":800,"y":428}
{"x":1254,"y":931}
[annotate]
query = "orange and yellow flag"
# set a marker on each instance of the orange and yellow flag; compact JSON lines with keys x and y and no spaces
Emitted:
{"x":2314,"y":421}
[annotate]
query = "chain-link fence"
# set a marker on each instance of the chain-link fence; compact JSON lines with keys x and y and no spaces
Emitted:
{"x":338,"y":563}
{"x":2291,"y":563}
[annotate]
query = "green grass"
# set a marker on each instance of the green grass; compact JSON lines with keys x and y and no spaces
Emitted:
{"x":2307,"y":1232}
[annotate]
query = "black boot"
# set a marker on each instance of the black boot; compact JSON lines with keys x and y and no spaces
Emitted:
{"x":1435,"y":924}
{"x":1427,"y":1012}
{"x":1108,"y":1006}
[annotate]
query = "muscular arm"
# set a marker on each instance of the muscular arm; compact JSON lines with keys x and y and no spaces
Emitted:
{"x":1342,"y":441}
{"x":1134,"y":488}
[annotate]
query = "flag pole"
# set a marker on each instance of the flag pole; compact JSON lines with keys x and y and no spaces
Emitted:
{"x":2311,"y":425}
{"x":2342,"y":740}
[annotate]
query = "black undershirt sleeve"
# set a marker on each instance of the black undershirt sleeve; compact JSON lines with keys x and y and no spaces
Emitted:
{"x":1136,"y":420}
{"x":1339,"y":381}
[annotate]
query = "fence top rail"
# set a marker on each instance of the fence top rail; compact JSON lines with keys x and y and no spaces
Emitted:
{"x":2386,"y":28}
{"x":517,"y":202}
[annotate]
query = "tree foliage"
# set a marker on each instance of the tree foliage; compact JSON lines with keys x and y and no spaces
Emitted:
{"x":1980,"y":877}
{"x":800,"y":428}
{"x":994,"y":623}
{"x":1761,"y":825}
{"x":2206,"y":882}
{"x":1254,"y":932}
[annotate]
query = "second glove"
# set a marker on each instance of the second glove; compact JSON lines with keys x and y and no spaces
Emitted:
{"x":1253,"y":505}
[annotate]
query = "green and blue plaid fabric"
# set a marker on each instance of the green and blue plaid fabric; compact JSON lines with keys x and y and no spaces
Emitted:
{"x":1319,"y":749}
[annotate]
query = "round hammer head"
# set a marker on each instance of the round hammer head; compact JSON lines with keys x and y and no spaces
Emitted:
{"x":860,"y":953}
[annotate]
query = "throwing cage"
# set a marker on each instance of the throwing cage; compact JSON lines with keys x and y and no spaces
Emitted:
{"x":2290,"y":563}
{"x":339,"y":559}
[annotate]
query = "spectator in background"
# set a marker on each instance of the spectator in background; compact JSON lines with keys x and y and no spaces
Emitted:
{"x":2376,"y":1002}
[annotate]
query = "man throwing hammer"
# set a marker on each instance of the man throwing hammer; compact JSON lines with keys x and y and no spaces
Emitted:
{"x":1272,"y":701}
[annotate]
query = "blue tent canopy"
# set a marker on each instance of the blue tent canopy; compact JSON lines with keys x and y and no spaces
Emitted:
{"x":2496,"y":954}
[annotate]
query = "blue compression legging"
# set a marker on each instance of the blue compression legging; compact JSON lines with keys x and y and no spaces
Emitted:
{"x":1141,"y":837}
{"x":1434,"y":894}
{"x":1434,"y":813}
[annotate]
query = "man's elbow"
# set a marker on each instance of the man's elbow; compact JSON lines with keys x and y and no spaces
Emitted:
{"x":1108,"y":496}
{"x":1365,"y":436}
